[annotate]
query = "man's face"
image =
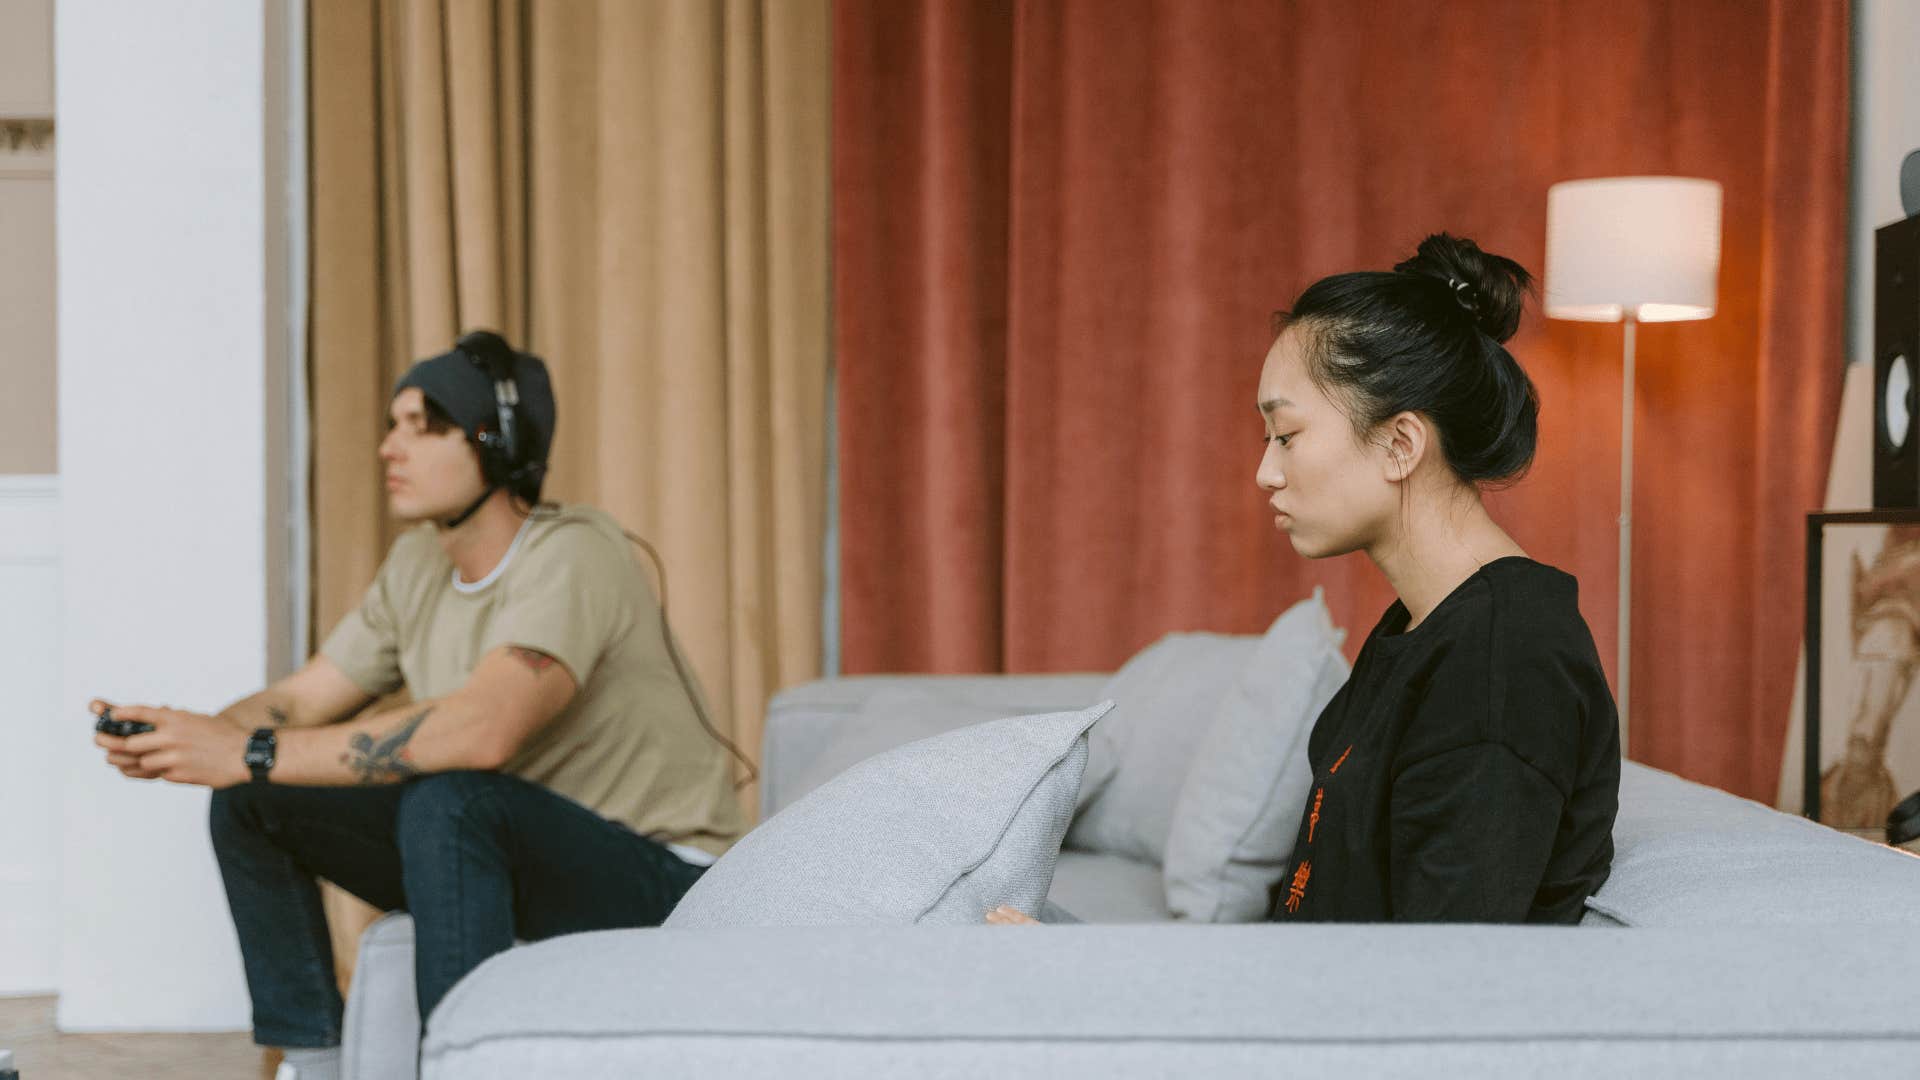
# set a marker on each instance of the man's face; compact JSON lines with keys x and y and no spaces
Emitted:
{"x":430,"y":474}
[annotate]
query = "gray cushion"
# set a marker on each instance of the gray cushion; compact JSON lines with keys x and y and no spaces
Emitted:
{"x":939,"y":831}
{"x":1239,"y":809}
{"x":1690,"y":855}
{"x":1138,"y":758}
{"x":1100,"y":888}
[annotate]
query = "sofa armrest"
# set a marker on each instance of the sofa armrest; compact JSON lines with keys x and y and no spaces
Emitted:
{"x":381,"y":1040}
{"x":804,"y":720}
{"x":1139,"y":1001}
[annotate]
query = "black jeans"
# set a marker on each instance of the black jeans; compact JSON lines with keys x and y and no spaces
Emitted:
{"x":478,"y":858}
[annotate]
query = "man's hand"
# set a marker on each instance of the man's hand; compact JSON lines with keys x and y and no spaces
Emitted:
{"x":115,"y":746}
{"x":183,"y":747}
{"x":512,"y":694}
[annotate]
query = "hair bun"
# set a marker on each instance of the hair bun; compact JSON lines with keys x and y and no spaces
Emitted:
{"x":1491,"y":288}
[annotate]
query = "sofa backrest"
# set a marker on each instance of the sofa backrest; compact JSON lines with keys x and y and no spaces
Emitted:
{"x":806,"y":720}
{"x":1684,"y":854}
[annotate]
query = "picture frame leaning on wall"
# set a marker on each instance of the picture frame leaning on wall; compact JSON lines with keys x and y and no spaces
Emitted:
{"x":1862,"y":720}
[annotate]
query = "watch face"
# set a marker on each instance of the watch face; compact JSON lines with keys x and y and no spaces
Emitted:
{"x":1896,"y":417}
{"x":260,"y":751}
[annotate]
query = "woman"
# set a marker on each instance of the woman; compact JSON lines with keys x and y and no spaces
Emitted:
{"x":1470,"y":768}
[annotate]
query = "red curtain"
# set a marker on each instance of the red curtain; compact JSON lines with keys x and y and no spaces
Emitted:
{"x":1061,"y":227}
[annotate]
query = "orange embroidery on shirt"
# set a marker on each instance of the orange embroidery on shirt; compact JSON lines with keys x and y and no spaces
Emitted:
{"x":1313,"y":819}
{"x":1298,"y":889}
{"x":1342,"y":761}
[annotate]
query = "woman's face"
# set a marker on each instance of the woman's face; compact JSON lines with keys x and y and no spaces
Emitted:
{"x":1329,"y":492}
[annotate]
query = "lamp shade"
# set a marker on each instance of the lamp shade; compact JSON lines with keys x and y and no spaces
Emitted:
{"x":1642,"y":245}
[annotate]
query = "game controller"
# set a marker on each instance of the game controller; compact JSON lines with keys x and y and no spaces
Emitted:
{"x":123,"y":728}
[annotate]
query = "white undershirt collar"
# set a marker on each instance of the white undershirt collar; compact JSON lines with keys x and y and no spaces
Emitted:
{"x":499,"y":568}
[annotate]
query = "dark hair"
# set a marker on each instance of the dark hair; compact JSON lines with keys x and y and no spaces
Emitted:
{"x":439,"y":421}
{"x":1427,"y":338}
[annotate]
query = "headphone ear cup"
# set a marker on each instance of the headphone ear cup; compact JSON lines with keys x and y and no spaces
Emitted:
{"x":532,"y":474}
{"x":495,"y":465}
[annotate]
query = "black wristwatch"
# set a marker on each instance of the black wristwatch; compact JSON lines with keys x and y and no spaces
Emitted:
{"x":261,"y":748}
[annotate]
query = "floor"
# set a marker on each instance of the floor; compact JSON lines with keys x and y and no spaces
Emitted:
{"x":42,"y":1053}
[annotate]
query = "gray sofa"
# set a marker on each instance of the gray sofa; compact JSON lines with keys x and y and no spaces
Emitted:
{"x":1731,"y":940}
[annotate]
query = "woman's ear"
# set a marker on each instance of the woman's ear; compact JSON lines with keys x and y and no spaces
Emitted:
{"x":1404,"y":440}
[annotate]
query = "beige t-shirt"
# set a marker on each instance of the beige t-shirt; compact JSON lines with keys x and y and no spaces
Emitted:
{"x":629,"y":746}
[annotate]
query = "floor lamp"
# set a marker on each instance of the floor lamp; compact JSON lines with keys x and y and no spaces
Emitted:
{"x":1634,"y":249}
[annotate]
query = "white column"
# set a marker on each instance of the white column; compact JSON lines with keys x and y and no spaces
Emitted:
{"x":29,"y":512}
{"x":172,"y":208}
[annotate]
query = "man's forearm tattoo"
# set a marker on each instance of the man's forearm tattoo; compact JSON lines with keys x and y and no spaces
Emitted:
{"x":278,"y":715}
{"x":533,"y":658}
{"x":384,"y":760}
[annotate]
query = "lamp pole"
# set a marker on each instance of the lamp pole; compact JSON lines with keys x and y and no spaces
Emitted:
{"x":1625,"y":634}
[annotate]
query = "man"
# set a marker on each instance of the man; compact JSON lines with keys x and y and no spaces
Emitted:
{"x":554,"y":773}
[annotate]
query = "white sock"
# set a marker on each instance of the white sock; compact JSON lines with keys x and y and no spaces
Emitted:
{"x":322,"y":1063}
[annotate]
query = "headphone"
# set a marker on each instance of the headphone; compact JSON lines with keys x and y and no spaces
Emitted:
{"x":501,"y":443}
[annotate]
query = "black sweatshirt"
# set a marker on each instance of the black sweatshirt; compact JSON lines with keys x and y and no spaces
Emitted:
{"x":1469,"y":770}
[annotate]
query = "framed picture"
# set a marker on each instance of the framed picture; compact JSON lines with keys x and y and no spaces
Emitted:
{"x":1862,"y":727}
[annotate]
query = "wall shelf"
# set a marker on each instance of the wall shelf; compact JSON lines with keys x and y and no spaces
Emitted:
{"x":32,"y":133}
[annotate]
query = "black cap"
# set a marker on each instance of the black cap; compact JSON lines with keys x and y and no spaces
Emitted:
{"x":461,"y":384}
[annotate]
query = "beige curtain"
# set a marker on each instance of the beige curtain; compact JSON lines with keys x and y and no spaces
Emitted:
{"x":637,"y":191}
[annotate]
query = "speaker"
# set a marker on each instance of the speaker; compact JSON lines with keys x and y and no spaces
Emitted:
{"x":1896,"y":351}
{"x":1910,"y":183}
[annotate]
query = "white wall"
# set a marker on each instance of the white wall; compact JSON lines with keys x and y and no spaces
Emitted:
{"x":171,"y":312}
{"x":1886,"y":127}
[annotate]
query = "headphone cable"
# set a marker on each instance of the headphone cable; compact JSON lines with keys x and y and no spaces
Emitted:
{"x":491,"y":354}
{"x":673,"y":653}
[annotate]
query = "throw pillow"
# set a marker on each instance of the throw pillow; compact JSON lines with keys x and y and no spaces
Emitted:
{"x":1239,"y":809}
{"x":1138,"y":758}
{"x":939,"y":831}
